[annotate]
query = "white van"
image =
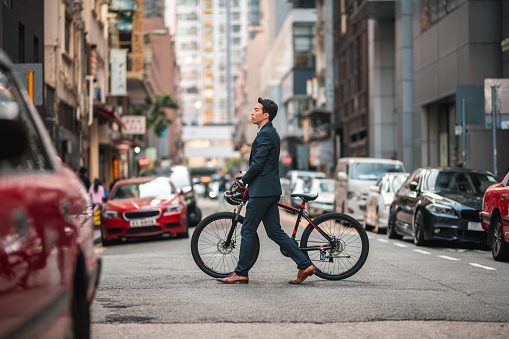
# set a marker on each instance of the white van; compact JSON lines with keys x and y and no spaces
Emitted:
{"x":353,"y":177}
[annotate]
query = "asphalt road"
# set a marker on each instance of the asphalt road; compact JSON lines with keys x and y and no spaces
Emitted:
{"x":153,"y":288}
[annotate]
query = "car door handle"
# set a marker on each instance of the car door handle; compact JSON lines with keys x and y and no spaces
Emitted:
{"x":503,"y":196}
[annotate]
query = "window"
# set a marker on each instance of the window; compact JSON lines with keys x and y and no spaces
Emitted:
{"x":303,"y":46}
{"x":21,"y":42}
{"x":67,"y":35}
{"x":34,"y":158}
{"x":36,"y":50}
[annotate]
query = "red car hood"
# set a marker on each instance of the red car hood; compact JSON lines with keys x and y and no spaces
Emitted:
{"x":130,"y":204}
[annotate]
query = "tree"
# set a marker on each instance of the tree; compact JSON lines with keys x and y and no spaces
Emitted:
{"x":157,"y":117}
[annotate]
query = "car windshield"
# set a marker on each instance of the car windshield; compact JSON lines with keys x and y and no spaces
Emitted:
{"x":373,"y":171}
{"x":146,"y":189}
{"x":458,"y":182}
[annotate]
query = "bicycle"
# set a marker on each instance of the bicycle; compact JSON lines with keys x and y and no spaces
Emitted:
{"x":336,"y":243}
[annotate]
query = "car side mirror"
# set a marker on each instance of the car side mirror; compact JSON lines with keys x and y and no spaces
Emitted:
{"x":413,"y":186}
{"x":12,"y":132}
{"x":342,"y":176}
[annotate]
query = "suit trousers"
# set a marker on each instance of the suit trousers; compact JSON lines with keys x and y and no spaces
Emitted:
{"x":265,"y":209}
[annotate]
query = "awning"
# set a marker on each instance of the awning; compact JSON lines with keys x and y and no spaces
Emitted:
{"x":103,"y":112}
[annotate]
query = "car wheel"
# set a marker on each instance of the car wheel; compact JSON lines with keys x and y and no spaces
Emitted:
{"x":195,"y":216}
{"x":499,"y":248}
{"x":80,"y":309}
{"x":377,"y":224}
{"x":106,"y":242}
{"x":391,"y":228}
{"x":419,"y":229}
{"x":365,"y":223}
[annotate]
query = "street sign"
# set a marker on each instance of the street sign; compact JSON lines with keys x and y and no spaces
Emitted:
{"x":134,"y":124}
{"x":286,"y":160}
{"x":501,"y":103}
{"x":143,"y":162}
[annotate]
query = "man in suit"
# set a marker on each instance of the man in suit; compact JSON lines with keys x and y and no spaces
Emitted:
{"x":264,"y":192}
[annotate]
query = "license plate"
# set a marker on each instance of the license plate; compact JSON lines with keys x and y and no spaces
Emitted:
{"x":143,"y":222}
{"x":475,"y":226}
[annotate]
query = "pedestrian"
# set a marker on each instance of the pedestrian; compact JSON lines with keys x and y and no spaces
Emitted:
{"x":84,"y":178}
{"x":264,"y":192}
{"x":96,"y":192}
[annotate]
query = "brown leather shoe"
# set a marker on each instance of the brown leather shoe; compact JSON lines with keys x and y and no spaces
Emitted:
{"x":234,"y":279}
{"x":303,"y":274}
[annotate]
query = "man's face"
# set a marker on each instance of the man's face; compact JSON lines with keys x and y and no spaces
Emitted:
{"x":257,"y":115}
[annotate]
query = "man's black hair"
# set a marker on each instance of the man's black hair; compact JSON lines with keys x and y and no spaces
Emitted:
{"x":269,"y":106}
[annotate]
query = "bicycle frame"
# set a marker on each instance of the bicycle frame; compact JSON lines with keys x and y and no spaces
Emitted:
{"x":301,"y":213}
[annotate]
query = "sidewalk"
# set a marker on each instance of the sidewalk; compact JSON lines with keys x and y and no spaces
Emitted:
{"x":207,"y":206}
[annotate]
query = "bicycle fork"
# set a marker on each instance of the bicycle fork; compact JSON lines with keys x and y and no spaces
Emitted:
{"x":228,"y":240}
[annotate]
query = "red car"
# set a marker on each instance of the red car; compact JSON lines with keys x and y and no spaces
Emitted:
{"x":149,"y":206}
{"x":495,"y":218}
{"x":48,"y":269}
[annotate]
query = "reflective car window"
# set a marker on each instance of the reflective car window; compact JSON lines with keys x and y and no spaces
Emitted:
{"x":459,"y":182}
{"x":35,"y":157}
{"x":373,"y":171}
{"x":396,"y":183}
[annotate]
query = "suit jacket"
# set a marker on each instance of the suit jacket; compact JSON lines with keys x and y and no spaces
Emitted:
{"x":263,"y":173}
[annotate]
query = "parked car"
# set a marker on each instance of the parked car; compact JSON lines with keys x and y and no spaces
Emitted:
{"x":440,"y":203}
{"x":325,"y":201}
{"x":288,"y":185}
{"x":141,"y":207}
{"x":379,"y":201}
{"x":181,"y":178}
{"x":354,"y":176}
{"x":48,"y":270}
{"x":495,"y":218}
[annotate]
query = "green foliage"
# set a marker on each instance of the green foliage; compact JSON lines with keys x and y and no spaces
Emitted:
{"x":157,"y":118}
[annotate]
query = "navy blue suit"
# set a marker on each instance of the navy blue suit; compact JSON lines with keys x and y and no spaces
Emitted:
{"x":264,"y":192}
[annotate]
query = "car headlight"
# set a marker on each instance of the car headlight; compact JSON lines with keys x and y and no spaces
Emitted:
{"x":441,"y":210}
{"x":173,"y":208}
{"x":108,"y":214}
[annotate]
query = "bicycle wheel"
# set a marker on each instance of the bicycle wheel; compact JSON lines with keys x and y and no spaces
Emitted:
{"x":346,"y":253}
{"x":207,"y":245}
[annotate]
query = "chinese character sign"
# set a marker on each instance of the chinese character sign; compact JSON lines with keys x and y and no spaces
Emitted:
{"x":118,"y":60}
{"x":134,"y":124}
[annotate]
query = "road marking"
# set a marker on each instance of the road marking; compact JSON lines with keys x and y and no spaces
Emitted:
{"x":422,"y":252}
{"x":400,"y":245}
{"x":448,"y":258}
{"x":482,"y":266}
{"x":383,"y":240}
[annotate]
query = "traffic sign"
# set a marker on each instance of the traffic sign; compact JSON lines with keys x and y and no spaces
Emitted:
{"x":286,"y":160}
{"x":143,"y":162}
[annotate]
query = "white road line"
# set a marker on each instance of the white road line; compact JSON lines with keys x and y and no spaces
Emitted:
{"x":482,"y":266}
{"x":400,"y":245}
{"x":422,"y":252}
{"x":383,"y":240}
{"x":448,"y":258}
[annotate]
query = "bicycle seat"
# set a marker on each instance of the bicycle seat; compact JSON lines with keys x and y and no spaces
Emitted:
{"x":305,"y":197}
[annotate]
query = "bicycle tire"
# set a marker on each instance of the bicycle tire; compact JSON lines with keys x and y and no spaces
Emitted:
{"x":351,"y":246}
{"x":206,"y":242}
